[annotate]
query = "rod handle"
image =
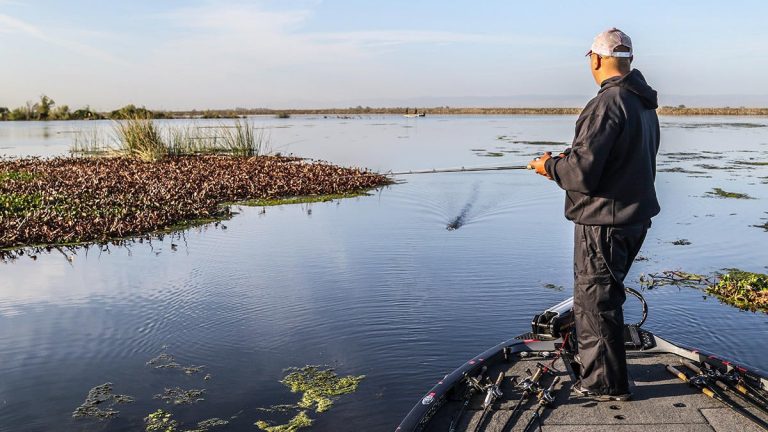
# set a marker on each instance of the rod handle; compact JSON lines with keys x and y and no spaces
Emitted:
{"x":692,"y":367}
{"x":683,"y":377}
{"x":499,"y":379}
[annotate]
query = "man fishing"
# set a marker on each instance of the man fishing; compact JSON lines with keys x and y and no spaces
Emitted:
{"x":608,"y":176}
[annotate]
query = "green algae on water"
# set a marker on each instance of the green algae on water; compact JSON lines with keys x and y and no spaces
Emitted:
{"x":717,"y":192}
{"x":163,"y":421}
{"x":300,"y":420}
{"x":319,"y":388}
{"x":160,"y":421}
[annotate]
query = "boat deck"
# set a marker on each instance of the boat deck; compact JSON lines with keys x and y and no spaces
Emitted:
{"x":660,"y":402}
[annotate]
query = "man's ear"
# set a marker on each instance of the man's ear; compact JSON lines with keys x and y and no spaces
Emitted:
{"x":597,"y":62}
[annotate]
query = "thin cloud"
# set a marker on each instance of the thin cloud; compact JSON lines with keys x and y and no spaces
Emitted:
{"x":14,"y":26}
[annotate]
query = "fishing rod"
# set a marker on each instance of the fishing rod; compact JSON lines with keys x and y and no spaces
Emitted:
{"x":736,"y":377}
{"x":493,"y":393}
{"x":530,"y":387}
{"x":709,"y":391}
{"x":474,"y":385}
{"x":720,"y":380}
{"x":459,"y":169}
{"x":546,"y":398}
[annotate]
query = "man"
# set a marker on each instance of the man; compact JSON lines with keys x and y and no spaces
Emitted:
{"x":608,"y":175}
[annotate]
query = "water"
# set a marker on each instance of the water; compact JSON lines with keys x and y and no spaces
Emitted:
{"x":373,"y":285}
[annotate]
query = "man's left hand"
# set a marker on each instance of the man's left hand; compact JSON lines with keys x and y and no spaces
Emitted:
{"x":538,"y":164}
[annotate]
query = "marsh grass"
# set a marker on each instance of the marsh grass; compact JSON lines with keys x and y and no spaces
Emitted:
{"x":140,"y":137}
{"x":91,"y":143}
{"x":144,"y":139}
{"x":244,"y":140}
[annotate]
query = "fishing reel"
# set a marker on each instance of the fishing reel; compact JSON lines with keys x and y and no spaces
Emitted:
{"x":546,"y":396}
{"x":531,"y":383}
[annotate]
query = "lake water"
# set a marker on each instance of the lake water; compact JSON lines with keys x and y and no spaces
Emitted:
{"x":373,"y":285}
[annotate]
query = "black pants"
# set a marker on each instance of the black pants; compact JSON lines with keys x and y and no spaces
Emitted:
{"x":602,"y":258}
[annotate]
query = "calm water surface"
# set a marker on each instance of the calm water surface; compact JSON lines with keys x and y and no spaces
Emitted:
{"x":373,"y":285}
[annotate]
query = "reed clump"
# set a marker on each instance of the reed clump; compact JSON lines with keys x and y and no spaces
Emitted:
{"x":140,"y":137}
{"x":143,"y":138}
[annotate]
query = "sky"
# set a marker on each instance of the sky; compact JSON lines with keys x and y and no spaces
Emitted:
{"x":205,"y":54}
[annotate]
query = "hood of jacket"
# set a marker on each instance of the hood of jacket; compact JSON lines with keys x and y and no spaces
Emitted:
{"x":634,"y":81}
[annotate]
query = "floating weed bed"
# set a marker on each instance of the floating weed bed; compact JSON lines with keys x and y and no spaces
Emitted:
{"x":100,"y":402}
{"x":167,"y":361}
{"x":763,"y":226}
{"x":681,"y":170}
{"x":319,"y":388}
{"x":717,"y":192}
{"x":299,"y":421}
{"x":16,"y":176}
{"x":179,"y":396}
{"x":75,"y":201}
{"x":742,"y":289}
{"x":553,"y":287}
{"x":18,"y":204}
{"x":163,"y":421}
{"x":752,"y":163}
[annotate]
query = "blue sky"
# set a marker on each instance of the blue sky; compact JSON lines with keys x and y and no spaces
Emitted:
{"x":216,"y":54}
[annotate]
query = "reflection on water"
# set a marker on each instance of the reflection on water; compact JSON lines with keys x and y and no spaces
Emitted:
{"x":372,"y":286}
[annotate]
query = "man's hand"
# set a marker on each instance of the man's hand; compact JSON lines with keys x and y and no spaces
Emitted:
{"x":538,"y":164}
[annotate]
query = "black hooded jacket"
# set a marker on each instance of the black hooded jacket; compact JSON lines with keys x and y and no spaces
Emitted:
{"x":609,"y":171}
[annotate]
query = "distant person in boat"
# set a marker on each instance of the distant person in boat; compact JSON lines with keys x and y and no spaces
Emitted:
{"x":608,"y":176}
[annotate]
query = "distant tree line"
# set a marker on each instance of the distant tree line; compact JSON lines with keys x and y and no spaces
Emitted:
{"x":47,"y":109}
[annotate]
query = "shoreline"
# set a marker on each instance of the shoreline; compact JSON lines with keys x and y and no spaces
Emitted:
{"x":47,"y":204}
{"x":359,"y":111}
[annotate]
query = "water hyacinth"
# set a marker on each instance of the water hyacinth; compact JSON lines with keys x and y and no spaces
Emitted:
{"x":65,"y":201}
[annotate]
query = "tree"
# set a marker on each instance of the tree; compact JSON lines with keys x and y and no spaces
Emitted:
{"x":42,"y":109}
{"x":61,"y":112}
{"x":4,"y":113}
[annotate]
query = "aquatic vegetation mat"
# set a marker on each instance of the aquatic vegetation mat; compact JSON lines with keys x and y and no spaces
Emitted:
{"x":179,"y":396}
{"x":167,"y":361}
{"x":681,"y":242}
{"x":319,"y":387}
{"x":717,"y":192}
{"x":163,"y":421}
{"x":745,"y":290}
{"x":300,"y":420}
{"x":742,"y":289}
{"x":66,"y":201}
{"x":100,"y":402}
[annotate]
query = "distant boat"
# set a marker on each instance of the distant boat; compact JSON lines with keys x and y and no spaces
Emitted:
{"x":416,"y":113}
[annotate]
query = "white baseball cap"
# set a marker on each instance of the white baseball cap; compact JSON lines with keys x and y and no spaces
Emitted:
{"x":607,"y":41}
